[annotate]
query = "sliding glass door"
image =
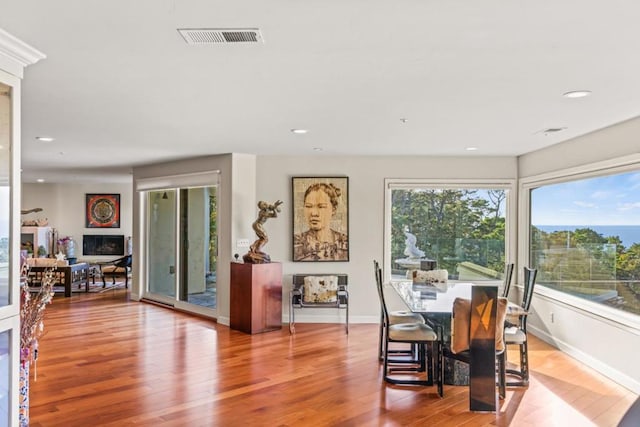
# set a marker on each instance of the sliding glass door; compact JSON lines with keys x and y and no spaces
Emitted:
{"x":198,"y":247}
{"x":161,"y":244}
{"x":181,"y":243}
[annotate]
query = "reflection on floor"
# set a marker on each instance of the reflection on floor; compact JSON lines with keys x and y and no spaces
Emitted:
{"x":208,"y":297}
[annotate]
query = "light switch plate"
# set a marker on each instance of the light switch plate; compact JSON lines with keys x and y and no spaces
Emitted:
{"x":243,"y":243}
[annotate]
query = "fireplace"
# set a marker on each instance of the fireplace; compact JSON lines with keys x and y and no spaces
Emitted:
{"x":102,"y":244}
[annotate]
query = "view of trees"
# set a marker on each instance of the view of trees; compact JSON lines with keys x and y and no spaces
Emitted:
{"x":588,"y":264}
{"x":590,"y":255}
{"x":451,"y":226}
{"x":213,"y":229}
{"x":467,"y":225}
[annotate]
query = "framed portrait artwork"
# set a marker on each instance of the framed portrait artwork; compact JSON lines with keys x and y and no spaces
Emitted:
{"x":320,"y":219}
{"x":102,"y":211}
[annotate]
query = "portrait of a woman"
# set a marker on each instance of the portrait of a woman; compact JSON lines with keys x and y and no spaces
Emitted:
{"x":320,"y":220}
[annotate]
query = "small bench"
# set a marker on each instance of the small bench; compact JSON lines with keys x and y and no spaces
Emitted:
{"x":318,"y":291}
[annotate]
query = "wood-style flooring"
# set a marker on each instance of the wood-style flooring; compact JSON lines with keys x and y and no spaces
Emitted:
{"x":109,"y":361}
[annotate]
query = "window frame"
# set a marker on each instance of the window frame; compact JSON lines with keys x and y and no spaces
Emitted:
{"x":526,"y":185}
{"x":452,"y":184}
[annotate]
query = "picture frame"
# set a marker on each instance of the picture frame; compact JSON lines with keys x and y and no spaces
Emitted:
{"x":320,"y":219}
{"x":102,"y":210}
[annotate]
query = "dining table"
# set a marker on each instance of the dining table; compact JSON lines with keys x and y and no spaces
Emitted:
{"x":434,"y":301}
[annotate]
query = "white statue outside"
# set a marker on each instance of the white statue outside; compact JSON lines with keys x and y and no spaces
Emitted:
{"x":411,"y":250}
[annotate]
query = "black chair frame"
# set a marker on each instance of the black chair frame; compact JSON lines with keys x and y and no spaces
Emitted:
{"x":508,"y":275}
{"x":296,"y":298}
{"x":523,"y":373}
{"x":426,"y":349}
{"x":119,"y":263}
{"x":408,"y":355}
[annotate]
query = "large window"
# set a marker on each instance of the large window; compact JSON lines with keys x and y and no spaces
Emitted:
{"x":585,"y":238}
{"x":459,"y":228}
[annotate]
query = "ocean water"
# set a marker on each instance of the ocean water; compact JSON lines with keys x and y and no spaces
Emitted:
{"x":629,"y":234}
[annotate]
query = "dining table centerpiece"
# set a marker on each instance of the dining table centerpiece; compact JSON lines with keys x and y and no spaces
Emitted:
{"x":32,"y":308}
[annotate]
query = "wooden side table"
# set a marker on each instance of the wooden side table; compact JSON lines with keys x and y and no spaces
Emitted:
{"x":74,"y":274}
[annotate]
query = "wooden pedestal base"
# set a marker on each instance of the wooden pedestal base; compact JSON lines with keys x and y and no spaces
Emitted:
{"x":256,"y":297}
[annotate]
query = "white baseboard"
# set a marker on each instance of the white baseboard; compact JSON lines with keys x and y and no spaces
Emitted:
{"x":606,"y":370}
{"x":330,"y":318}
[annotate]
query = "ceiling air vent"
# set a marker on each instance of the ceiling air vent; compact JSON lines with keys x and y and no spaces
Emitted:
{"x":200,"y":36}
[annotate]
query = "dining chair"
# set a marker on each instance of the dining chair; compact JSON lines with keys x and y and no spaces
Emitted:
{"x":395,"y":317}
{"x":516,"y":334}
{"x":508,"y":275}
{"x":458,"y":347}
{"x":419,"y":335}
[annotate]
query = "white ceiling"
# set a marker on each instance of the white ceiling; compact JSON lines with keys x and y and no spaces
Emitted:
{"x":120,"y":87}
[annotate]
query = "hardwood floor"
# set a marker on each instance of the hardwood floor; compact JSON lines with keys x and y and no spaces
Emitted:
{"x":108,"y":361}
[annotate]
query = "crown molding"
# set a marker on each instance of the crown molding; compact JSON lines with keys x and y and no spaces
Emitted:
{"x":15,"y":54}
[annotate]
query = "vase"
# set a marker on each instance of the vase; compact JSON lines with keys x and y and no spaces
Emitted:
{"x":23,"y":399}
{"x":70,"y":249}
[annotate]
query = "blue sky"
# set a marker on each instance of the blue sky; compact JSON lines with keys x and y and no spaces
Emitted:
{"x":609,"y":200}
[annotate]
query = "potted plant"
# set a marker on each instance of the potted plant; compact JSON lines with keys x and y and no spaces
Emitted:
{"x":42,"y":251}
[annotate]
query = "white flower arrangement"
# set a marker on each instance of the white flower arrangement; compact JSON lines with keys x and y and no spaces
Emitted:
{"x":32,"y":308}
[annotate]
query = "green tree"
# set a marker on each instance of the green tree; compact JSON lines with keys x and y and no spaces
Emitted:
{"x":628,"y":263}
{"x":450,"y":225}
{"x":213,"y":228}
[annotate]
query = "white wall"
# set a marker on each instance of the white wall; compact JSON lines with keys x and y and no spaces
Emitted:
{"x":608,"y":143}
{"x":64,"y":206}
{"x":606,"y":345}
{"x":366,"y":211}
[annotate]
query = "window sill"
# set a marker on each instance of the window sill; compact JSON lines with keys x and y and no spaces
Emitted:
{"x":609,"y":314}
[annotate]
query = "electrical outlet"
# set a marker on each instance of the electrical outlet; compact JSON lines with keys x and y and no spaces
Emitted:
{"x":243,"y":243}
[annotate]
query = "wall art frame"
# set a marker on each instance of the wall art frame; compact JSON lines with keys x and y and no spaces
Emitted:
{"x":102,"y":210}
{"x":320,"y":219}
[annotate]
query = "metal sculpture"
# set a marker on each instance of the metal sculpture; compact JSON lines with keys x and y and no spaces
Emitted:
{"x":255,"y":254}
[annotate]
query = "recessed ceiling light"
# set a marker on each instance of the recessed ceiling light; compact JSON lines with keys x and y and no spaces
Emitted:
{"x":403,"y":120}
{"x":1,"y":147}
{"x":471,"y":148}
{"x":299,"y":131}
{"x":577,"y":94}
{"x":45,"y":138}
{"x":40,"y":180}
{"x":317,"y":149}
